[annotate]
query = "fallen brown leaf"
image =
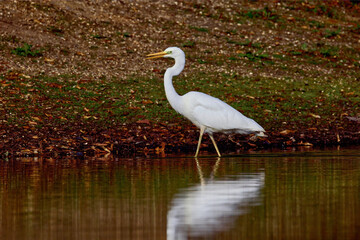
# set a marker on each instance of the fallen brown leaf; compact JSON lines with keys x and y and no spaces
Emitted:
{"x":143,"y":121}
{"x":287,"y":131}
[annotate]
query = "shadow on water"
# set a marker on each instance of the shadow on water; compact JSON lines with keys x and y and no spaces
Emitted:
{"x":281,"y":195}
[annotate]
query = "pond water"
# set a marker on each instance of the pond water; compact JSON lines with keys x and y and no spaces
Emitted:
{"x":282,"y":195}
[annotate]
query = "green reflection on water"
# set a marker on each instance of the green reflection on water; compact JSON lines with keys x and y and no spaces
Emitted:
{"x":305,"y":196}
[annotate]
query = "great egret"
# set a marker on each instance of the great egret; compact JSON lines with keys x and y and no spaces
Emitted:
{"x":208,"y":113}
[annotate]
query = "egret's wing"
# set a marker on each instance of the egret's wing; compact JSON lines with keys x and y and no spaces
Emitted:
{"x":219,"y":116}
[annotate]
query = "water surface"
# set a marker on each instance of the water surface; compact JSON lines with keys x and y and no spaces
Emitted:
{"x":284,"y":195}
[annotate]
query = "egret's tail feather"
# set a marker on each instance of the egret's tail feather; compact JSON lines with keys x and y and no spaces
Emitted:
{"x":261,"y":134}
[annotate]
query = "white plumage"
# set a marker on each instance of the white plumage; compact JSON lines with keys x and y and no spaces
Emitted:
{"x":216,"y":115}
{"x":208,"y":113}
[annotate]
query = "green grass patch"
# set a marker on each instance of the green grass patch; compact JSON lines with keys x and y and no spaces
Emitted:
{"x":274,"y":103}
{"x":356,"y":29}
{"x":26,"y":51}
{"x":55,"y":30}
{"x":188,"y":44}
{"x":246,"y":43}
{"x":329,"y":51}
{"x":315,"y":53}
{"x":265,"y":13}
{"x":254,"y":57}
{"x":331,"y":33}
{"x":324,"y":10}
{"x":98,"y":36}
{"x":199,"y":29}
{"x":316,"y":24}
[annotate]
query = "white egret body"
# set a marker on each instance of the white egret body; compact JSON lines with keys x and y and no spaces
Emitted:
{"x":208,"y":113}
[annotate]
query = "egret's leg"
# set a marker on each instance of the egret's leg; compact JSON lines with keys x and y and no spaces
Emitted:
{"x":199,"y":142}
{"x":213,"y":140}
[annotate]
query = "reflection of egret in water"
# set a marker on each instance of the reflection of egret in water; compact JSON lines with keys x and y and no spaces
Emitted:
{"x":213,"y":205}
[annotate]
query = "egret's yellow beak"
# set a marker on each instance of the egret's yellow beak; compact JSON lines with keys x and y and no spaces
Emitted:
{"x":156,"y":55}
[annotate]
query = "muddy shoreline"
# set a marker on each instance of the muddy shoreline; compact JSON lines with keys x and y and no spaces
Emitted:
{"x":158,"y":140}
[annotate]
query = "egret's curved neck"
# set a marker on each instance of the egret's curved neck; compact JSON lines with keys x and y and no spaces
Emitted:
{"x":171,"y":94}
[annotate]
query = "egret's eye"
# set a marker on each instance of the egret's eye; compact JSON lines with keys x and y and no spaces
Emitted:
{"x":169,"y":52}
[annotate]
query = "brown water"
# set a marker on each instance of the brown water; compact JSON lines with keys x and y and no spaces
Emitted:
{"x":284,"y":195}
